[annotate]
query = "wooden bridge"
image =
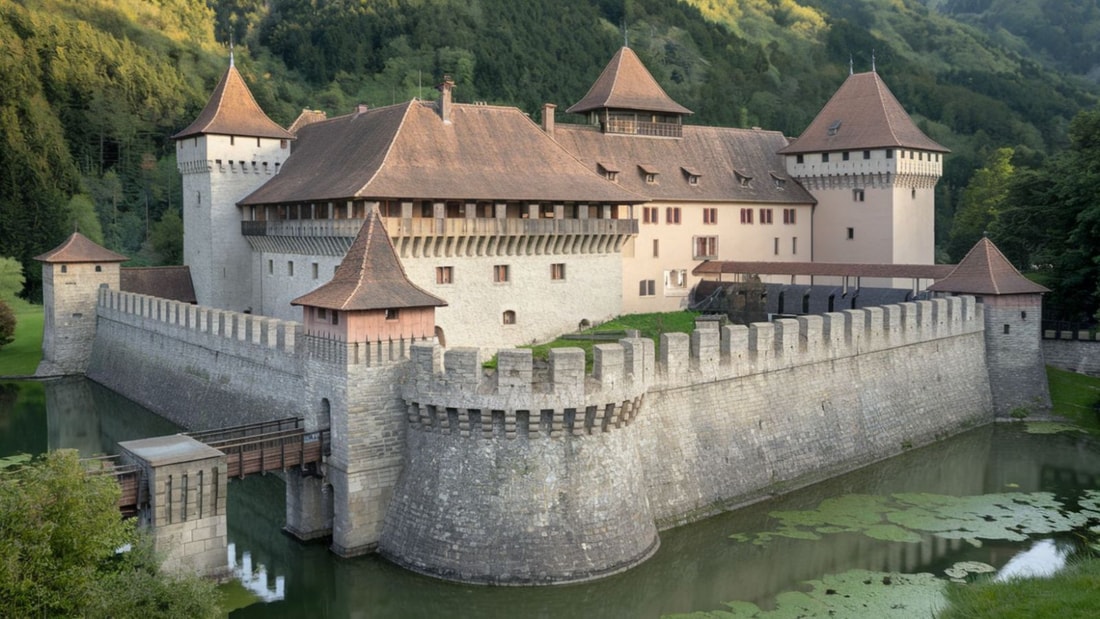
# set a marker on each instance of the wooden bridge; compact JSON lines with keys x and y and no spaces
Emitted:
{"x":249,"y":449}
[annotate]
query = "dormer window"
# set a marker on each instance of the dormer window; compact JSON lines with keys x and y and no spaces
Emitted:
{"x":650,"y":179}
{"x":779,"y":182}
{"x":742,"y":179}
{"x":649,"y":173}
{"x":834,"y":128}
{"x":692,"y":175}
{"x":608,"y":170}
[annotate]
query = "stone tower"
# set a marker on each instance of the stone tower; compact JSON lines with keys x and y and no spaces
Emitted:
{"x":1013,"y":308}
{"x":873,"y":173}
{"x":72,"y":274}
{"x":358,"y":336}
{"x":231,"y":149}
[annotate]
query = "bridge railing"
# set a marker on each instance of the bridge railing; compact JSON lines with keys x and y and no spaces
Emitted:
{"x":247,"y":430}
{"x":129,"y":476}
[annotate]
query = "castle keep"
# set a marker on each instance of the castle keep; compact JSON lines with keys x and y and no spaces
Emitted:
{"x":420,"y":239}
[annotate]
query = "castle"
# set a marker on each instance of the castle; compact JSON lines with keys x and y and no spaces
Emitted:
{"x":416,"y":236}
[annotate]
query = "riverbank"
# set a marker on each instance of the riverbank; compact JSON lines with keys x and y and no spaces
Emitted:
{"x":1071,"y":593}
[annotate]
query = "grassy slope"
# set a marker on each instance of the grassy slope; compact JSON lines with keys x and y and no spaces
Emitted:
{"x":21,"y":357}
{"x":1074,"y":592}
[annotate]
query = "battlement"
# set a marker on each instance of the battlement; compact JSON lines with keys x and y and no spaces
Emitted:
{"x":368,"y":354}
{"x":188,"y":322}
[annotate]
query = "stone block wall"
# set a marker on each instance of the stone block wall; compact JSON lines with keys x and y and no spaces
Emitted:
{"x":1081,"y":356}
{"x":1014,"y":350}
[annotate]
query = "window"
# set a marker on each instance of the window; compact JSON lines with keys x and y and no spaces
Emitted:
{"x":1006,"y":329}
{"x":500,"y":273}
{"x":282,"y":144}
{"x":290,"y":268}
{"x":651,"y":179}
{"x":775,"y":246}
{"x":799,"y":159}
{"x":672,"y":215}
{"x":844,"y":155}
{"x":857,"y":195}
{"x":557,"y":271}
{"x":676,"y":279}
{"x":98,"y":269}
{"x":825,"y":158}
{"x":710,"y":216}
{"x":705,"y":248}
{"x":508,"y":318}
{"x":656,"y":248}
{"x":765,"y":216}
{"x":889,"y":153}
{"x":1023,"y":315}
{"x":851,"y":233}
{"x":314,"y":270}
{"x":392,"y":314}
{"x":611,"y":176}
{"x":693,"y":179}
{"x":444,"y":275}
{"x":920,"y":156}
{"x":321,"y":313}
{"x":789,"y":216}
{"x":794,"y":245}
{"x":834,"y":128}
{"x":64,"y":268}
{"x":232,"y":140}
{"x":913,"y":193}
{"x":336,"y":318}
{"x":649,"y":214}
{"x":866,"y":154}
{"x":270,"y":267}
{"x":746,"y":215}
{"x":646,"y":288}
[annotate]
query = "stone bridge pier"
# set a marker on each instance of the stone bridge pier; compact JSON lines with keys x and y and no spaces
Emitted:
{"x":182,"y":501}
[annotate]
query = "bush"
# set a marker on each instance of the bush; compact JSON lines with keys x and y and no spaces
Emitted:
{"x":7,"y":324}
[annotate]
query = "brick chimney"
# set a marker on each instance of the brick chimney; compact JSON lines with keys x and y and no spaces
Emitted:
{"x":548,"y":118}
{"x":445,"y":98}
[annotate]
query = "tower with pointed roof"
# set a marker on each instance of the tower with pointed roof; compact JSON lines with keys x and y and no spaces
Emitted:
{"x":72,"y":274}
{"x":1013,"y":307}
{"x":873,"y":172}
{"x":226,"y":153}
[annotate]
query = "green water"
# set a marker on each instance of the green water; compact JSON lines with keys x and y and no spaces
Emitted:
{"x":843,"y":538}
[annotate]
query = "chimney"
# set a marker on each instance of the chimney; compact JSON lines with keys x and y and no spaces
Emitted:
{"x":445,"y":98}
{"x":548,"y":118}
{"x":361,"y":109}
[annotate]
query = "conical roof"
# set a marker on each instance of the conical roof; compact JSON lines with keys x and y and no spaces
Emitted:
{"x":862,"y":114}
{"x":370,"y":277}
{"x":985,"y":270}
{"x":626,"y":84}
{"x":79,"y":248}
{"x":232,"y":110}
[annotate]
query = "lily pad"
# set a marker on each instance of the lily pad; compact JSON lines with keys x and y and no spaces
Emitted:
{"x":1051,"y":427}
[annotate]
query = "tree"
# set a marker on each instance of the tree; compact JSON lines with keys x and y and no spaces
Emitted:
{"x":7,"y":324}
{"x":981,"y":202}
{"x":81,"y":216}
{"x":11,"y":278}
{"x":167,"y":237}
{"x":60,"y":541}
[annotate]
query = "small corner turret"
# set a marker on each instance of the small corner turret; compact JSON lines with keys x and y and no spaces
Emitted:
{"x":72,"y":275}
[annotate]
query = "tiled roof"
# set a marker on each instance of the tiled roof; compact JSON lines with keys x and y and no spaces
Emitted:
{"x":626,"y":84}
{"x":307,"y":117}
{"x":863,"y":113}
{"x":708,"y":153}
{"x":171,"y":282}
{"x":79,"y":248}
{"x":985,"y":270}
{"x":232,"y":110}
{"x":921,"y":271}
{"x":370,"y":277}
{"x":406,"y":151}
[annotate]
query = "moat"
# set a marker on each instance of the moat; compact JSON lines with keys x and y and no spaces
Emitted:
{"x":1020,"y":497}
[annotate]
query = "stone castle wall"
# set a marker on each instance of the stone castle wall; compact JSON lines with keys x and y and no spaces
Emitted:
{"x":200,"y":367}
{"x":1081,"y":356}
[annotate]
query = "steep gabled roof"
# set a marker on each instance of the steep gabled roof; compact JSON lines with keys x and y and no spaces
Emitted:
{"x":985,"y":270}
{"x":626,"y":84}
{"x":232,"y":110}
{"x":406,"y":151}
{"x":862,"y":114}
{"x":709,"y":153}
{"x":370,"y":277}
{"x":79,"y":248}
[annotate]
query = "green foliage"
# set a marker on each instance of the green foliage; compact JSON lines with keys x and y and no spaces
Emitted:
{"x":167,"y":238}
{"x":81,"y":216}
{"x":1076,"y":397}
{"x":11,"y":278}
{"x":59,"y":550}
{"x":7,"y":324}
{"x":981,"y":203}
{"x":22,"y":356}
{"x":1071,"y":593}
{"x":648,"y":325}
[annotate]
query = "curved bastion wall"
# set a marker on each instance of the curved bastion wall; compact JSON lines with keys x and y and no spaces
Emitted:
{"x":515,"y":478}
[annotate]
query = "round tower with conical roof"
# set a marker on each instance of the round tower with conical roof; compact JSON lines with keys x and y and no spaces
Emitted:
{"x":230,"y":150}
{"x":72,"y":274}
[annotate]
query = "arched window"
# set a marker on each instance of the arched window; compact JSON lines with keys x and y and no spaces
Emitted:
{"x":509,"y":317}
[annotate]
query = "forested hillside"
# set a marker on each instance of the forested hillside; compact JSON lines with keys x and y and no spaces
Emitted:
{"x":91,"y":90}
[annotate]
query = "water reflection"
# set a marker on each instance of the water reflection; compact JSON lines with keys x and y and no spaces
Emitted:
{"x":697,"y":568}
{"x":1043,"y":559}
{"x":255,"y":581}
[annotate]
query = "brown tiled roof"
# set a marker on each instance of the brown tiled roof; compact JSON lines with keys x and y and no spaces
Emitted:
{"x":985,"y":270}
{"x":232,"y":110}
{"x":370,"y":277}
{"x":172,"y":282}
{"x":921,"y":271}
{"x":406,"y":151}
{"x":79,"y":248}
{"x":307,"y":117}
{"x":863,"y":113}
{"x":626,"y":84}
{"x":710,"y":153}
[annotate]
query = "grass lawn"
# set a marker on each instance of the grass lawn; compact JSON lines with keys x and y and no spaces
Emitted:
{"x":21,"y":357}
{"x":1075,"y":396}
